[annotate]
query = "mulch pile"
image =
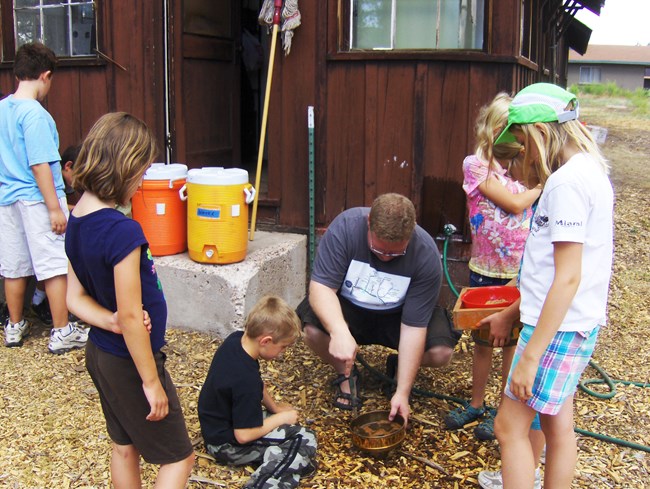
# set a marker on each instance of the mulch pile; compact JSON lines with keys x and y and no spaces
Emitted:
{"x":52,"y":432}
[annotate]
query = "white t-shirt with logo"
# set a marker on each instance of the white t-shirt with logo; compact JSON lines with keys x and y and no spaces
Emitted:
{"x":576,"y":206}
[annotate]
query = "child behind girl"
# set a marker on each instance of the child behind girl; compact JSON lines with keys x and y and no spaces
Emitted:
{"x":111,"y":269}
{"x":499,"y":216}
{"x":564,"y":282}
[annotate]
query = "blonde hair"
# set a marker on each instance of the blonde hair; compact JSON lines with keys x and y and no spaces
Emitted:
{"x":392,"y":218}
{"x":272,"y":316}
{"x":550,"y":142}
{"x":491,"y":120}
{"x":114,"y":156}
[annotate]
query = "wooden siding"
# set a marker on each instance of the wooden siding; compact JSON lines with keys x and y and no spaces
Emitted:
{"x":81,"y":94}
{"x":400,"y":122}
{"x":383,"y":124}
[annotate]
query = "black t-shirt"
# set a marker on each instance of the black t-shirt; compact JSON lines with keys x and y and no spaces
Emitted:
{"x":231,"y":397}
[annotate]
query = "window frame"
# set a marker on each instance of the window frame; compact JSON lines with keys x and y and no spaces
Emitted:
{"x":342,"y":50}
{"x":591,"y":70}
{"x":8,"y":38}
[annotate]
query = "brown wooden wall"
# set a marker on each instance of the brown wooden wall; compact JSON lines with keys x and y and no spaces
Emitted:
{"x":382,"y":125}
{"x":81,"y":94}
{"x":384,"y":122}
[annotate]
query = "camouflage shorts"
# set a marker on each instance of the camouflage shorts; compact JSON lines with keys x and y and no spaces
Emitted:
{"x":284,"y":455}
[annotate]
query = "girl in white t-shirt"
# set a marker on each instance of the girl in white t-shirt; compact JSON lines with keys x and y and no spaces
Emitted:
{"x":564,"y":281}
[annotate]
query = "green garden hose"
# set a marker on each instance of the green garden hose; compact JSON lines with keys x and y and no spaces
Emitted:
{"x":449,"y":229}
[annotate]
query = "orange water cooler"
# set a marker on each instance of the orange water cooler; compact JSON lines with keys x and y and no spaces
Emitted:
{"x":217,"y":214}
{"x":160,"y":210}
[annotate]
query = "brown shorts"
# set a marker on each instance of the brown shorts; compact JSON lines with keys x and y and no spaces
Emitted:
{"x":125,"y":408}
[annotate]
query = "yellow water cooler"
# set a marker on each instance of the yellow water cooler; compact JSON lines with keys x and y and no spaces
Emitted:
{"x":217,"y":214}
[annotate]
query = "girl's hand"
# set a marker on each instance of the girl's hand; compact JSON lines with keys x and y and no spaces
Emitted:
{"x":147,"y":320}
{"x":523,"y":377}
{"x":157,"y":399}
{"x":117,"y":329}
{"x":500,"y":328}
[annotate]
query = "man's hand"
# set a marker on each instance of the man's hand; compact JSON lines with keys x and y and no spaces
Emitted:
{"x":399,"y":404}
{"x":344,"y":347}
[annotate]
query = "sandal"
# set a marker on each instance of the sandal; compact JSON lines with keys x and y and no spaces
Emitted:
{"x":461,"y":416}
{"x":343,"y":400}
{"x":485,"y":429}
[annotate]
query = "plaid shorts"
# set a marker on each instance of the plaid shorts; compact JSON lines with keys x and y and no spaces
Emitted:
{"x":559,"y":369}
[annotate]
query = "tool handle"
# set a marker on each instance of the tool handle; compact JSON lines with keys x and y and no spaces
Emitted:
{"x":276,"y":12}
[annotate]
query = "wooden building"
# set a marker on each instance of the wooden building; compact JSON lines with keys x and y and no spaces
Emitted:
{"x":395,"y":86}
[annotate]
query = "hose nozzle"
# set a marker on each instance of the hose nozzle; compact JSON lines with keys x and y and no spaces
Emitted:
{"x":449,"y":229}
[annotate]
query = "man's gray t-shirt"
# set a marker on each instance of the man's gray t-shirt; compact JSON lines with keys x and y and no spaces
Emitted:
{"x":411,"y":282}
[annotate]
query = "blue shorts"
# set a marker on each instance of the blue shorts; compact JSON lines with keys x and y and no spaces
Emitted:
{"x":559,"y":369}
{"x":478,"y":280}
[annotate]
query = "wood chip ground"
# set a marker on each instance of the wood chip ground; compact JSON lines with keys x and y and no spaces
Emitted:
{"x":52,"y":432}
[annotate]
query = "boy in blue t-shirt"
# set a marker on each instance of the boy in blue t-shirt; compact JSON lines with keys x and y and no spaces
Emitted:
{"x":33,"y":208}
{"x":232,"y":401}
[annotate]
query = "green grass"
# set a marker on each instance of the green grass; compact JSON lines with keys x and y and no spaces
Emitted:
{"x":610,"y":92}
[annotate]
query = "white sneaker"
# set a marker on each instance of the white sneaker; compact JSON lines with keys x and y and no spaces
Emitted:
{"x":14,"y":333}
{"x":70,"y":337}
{"x":494,"y":480}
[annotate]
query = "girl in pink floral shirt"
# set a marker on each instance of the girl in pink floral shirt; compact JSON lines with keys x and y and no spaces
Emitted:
{"x":499,"y":215}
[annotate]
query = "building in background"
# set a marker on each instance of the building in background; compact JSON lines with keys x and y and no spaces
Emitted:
{"x":627,"y":66}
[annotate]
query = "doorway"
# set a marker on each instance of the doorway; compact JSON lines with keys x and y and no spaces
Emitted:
{"x":218,"y":56}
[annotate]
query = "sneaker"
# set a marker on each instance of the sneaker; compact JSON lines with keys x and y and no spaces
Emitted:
{"x":63,"y":340}
{"x":494,"y":480}
{"x":15,"y":333}
{"x":485,"y":429}
{"x":42,"y":312}
{"x":459,"y":417}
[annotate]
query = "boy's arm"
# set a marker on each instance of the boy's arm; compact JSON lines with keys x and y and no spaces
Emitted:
{"x":247,"y":435}
{"x":128,"y":293}
{"x":45,"y":181}
{"x":271,"y":405}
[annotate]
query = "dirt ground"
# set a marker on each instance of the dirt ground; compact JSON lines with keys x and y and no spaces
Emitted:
{"x":52,"y":432}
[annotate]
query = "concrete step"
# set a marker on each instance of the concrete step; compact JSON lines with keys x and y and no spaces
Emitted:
{"x":216,"y":298}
